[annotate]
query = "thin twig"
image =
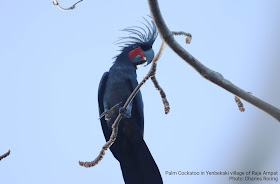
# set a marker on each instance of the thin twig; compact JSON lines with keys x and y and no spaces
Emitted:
{"x":153,"y":77}
{"x":5,"y":155}
{"x":239,"y":103}
{"x":115,"y":125}
{"x":181,"y":33}
{"x":55,"y":2}
{"x":205,"y":72}
{"x":117,"y":121}
{"x":162,"y":94}
{"x":152,"y":74}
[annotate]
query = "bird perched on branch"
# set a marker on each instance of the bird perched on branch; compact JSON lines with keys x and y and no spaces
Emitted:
{"x":130,"y":149}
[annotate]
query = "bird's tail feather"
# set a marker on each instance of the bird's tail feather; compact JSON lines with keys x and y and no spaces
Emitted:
{"x":139,"y":167}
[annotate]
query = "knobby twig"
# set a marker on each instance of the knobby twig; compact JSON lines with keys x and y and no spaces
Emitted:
{"x":239,"y":103}
{"x":115,"y":125}
{"x":205,"y":72}
{"x":118,"y":119}
{"x":5,"y":155}
{"x":153,"y":77}
{"x":181,"y":33}
{"x":55,"y":2}
{"x":162,"y":94}
{"x":152,"y":74}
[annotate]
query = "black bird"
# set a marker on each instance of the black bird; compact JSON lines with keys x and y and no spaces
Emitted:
{"x":130,"y":149}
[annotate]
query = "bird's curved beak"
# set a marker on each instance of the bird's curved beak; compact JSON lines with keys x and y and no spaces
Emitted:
{"x":138,"y":60}
{"x":149,"y":54}
{"x":147,"y":57}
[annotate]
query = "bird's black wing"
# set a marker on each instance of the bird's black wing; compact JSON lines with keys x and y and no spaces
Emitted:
{"x":101,"y":90}
{"x":138,"y":107}
{"x":138,"y":165}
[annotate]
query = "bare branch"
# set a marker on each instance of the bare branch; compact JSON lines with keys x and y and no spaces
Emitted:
{"x":115,"y":126}
{"x":55,"y":2}
{"x":205,"y":72}
{"x":153,"y":77}
{"x":151,"y":74}
{"x":162,"y":94}
{"x":114,"y":129}
{"x":239,"y":103}
{"x":5,"y":155}
{"x":181,"y":33}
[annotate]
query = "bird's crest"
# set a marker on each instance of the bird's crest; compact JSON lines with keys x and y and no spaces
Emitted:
{"x":138,"y":35}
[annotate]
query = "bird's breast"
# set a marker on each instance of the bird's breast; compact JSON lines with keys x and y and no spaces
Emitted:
{"x":118,"y":88}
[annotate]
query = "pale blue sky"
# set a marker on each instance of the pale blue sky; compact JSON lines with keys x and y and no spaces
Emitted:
{"x":51,"y":63}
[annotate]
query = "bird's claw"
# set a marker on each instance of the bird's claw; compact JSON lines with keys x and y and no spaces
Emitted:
{"x":108,"y":117}
{"x":110,"y":113}
{"x":124,"y":112}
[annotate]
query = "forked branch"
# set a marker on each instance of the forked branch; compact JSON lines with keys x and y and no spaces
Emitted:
{"x":151,"y":74}
{"x":205,"y":72}
{"x":55,"y":2}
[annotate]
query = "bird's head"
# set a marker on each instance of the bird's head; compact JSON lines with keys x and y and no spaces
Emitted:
{"x":138,"y":45}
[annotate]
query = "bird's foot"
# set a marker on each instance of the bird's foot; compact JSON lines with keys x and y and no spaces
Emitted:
{"x":125,"y":112}
{"x":110,"y":113}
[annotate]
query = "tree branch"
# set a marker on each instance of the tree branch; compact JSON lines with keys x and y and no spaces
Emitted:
{"x":162,"y":94}
{"x":55,"y":2}
{"x":119,"y":117}
{"x":205,"y":72}
{"x":153,"y":77}
{"x":151,"y":74}
{"x":5,"y":155}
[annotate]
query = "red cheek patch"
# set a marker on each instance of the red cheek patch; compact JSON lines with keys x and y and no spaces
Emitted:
{"x":138,"y":51}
